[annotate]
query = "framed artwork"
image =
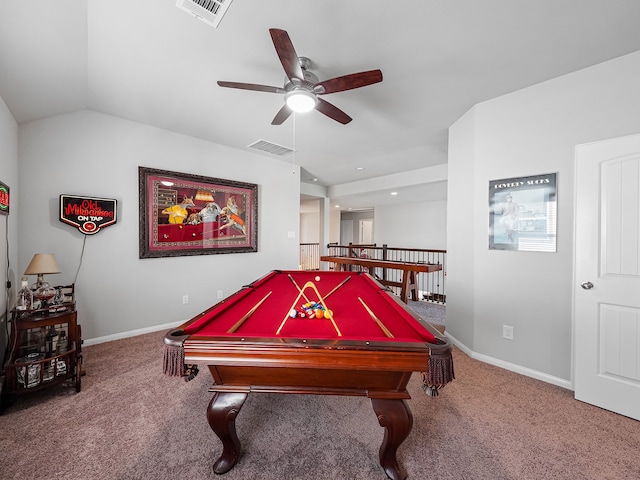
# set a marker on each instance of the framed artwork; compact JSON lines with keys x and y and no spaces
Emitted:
{"x":185,"y":214}
{"x":523,"y":213}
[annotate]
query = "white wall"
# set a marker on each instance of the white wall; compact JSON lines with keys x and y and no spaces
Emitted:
{"x":8,"y":224}
{"x":310,"y":224}
{"x":531,"y":131}
{"x":87,"y":153}
{"x":334,"y":226}
{"x":461,"y":235}
{"x":309,"y":227}
{"x":412,"y":225}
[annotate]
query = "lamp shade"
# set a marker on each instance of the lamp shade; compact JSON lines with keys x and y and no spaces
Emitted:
{"x":42,"y":263}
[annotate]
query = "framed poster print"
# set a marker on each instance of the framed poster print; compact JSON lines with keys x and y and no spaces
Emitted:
{"x":186,"y":214}
{"x":523,"y":213}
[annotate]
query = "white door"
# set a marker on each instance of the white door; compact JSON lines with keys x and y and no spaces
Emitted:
{"x":366,"y":232}
{"x":607,"y":275}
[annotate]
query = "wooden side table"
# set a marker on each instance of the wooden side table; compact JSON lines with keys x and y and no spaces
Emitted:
{"x":34,"y":361}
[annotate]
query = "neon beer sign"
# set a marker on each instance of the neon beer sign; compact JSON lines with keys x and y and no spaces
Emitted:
{"x":4,"y":199}
{"x":87,"y":214}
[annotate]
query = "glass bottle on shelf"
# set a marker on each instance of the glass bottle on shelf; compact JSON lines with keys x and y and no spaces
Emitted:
{"x":25,"y":296}
{"x":50,"y":340}
{"x":59,"y":297}
{"x":62,"y":344}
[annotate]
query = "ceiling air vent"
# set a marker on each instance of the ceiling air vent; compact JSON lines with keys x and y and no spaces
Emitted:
{"x":209,"y":11}
{"x":271,"y":148}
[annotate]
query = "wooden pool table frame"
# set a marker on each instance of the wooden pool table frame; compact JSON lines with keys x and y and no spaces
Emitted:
{"x":379,"y":370}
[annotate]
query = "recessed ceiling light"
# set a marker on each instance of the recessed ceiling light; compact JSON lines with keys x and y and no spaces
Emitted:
{"x":337,"y":206}
{"x":359,"y":168}
{"x":315,"y":180}
{"x":394,"y":193}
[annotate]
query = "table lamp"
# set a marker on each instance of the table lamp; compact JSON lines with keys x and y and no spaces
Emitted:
{"x":41,"y":264}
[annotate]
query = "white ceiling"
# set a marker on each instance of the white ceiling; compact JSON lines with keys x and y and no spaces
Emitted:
{"x":148,"y":61}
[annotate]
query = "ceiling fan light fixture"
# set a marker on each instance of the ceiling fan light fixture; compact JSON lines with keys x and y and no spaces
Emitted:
{"x":300,"y":100}
{"x":301,"y":88}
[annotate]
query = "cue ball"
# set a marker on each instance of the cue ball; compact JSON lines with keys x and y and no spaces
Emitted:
{"x":317,"y":278}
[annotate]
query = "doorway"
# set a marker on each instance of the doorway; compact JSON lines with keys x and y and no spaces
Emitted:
{"x":607,"y":275}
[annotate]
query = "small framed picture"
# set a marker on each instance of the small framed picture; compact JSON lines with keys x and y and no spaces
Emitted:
{"x":523,"y":213}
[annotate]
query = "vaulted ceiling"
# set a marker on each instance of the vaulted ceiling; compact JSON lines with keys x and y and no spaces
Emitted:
{"x":148,"y":61}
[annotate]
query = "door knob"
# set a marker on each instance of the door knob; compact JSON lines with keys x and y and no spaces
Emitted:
{"x":587,"y":285}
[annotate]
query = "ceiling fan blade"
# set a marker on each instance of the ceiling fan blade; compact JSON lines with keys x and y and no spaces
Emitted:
{"x":348,"y":82}
{"x":332,"y":111}
{"x":252,"y":86}
{"x":282,"y":115}
{"x":287,"y":54}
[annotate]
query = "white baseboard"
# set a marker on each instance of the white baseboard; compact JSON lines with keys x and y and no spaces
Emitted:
{"x":560,"y":382}
{"x":130,"y":333}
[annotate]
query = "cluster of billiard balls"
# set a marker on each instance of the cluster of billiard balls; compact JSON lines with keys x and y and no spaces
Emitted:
{"x":310,"y":310}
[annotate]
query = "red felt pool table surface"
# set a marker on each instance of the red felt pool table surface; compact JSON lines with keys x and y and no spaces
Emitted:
{"x":346,"y":294}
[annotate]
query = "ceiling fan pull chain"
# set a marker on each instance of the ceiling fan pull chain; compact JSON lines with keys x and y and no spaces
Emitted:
{"x":293,"y":157}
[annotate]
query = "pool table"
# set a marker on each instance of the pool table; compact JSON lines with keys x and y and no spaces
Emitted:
{"x":311,"y":332}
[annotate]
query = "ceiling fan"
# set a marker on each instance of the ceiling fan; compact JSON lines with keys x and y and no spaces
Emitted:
{"x":302,"y":88}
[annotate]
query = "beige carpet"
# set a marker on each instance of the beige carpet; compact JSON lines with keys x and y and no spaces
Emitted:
{"x":131,"y":422}
{"x":434,"y":313}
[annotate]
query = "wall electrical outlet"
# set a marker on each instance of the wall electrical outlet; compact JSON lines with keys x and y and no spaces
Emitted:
{"x":220,"y":294}
{"x":507,"y":332}
{"x":185,"y":299}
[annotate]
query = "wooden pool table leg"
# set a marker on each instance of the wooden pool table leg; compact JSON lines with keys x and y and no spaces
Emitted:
{"x":396,"y":418}
{"x":223,"y":409}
